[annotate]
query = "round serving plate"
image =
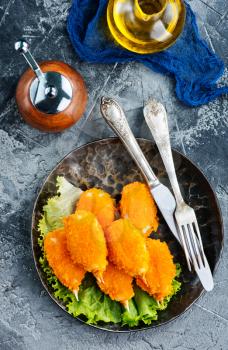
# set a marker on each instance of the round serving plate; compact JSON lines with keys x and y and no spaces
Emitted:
{"x":107,"y":165}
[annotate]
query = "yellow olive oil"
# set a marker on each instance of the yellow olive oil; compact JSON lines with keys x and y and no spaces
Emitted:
{"x":145,"y":26}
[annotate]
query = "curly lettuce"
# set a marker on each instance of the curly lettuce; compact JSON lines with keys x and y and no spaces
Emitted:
{"x":58,"y":207}
{"x":93,"y":304}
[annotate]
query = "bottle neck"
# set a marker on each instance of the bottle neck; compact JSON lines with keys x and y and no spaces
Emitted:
{"x":146,"y":10}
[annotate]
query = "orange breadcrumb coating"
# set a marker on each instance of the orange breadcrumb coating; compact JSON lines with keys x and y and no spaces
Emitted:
{"x":55,"y":247}
{"x":127,"y":247}
{"x":86,"y":241}
{"x":138,"y":206}
{"x":162,"y":270}
{"x":117,"y":284}
{"x":100,"y":203}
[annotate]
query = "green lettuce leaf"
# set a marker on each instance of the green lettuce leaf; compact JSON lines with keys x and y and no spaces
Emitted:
{"x":146,"y":305}
{"x":178,"y":270}
{"x":130,"y":317}
{"x":95,"y":306}
{"x":58,"y":207}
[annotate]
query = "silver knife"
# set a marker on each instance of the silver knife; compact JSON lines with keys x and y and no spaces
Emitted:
{"x":115,"y":117}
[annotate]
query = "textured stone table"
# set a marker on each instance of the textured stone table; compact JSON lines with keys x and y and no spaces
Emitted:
{"x":28,"y":317}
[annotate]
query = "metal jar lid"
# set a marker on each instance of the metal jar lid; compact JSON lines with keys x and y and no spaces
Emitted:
{"x":50,"y":92}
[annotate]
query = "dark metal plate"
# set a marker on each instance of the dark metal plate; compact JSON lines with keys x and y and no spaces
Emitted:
{"x":106,"y":164}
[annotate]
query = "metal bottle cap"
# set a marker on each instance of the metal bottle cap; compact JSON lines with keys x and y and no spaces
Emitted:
{"x":50,"y":92}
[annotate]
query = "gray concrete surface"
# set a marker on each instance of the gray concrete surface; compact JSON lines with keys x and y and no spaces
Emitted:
{"x":28,"y":318}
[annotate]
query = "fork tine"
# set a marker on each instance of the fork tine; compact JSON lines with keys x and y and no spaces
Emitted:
{"x":204,"y":271}
{"x":196,"y":246}
{"x":199,"y":239}
{"x":183,"y":241}
{"x":190,"y":248}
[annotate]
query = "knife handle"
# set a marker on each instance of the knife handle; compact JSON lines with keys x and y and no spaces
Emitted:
{"x":115,"y":117}
{"x":157,"y":121}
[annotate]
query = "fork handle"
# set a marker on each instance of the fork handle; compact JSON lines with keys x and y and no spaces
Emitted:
{"x":115,"y":117}
{"x":156,"y":119}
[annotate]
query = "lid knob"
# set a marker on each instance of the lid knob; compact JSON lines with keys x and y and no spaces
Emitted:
{"x":21,"y":46}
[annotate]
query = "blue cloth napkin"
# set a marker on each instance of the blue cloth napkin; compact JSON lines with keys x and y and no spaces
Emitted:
{"x":190,"y":61}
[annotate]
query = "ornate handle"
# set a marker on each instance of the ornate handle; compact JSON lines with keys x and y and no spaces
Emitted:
{"x":115,"y":117}
{"x":156,"y":119}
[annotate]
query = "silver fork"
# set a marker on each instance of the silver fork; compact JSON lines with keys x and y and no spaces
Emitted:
{"x":188,"y":228}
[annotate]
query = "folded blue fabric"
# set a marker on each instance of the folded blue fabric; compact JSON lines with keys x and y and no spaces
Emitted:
{"x":195,"y":67}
